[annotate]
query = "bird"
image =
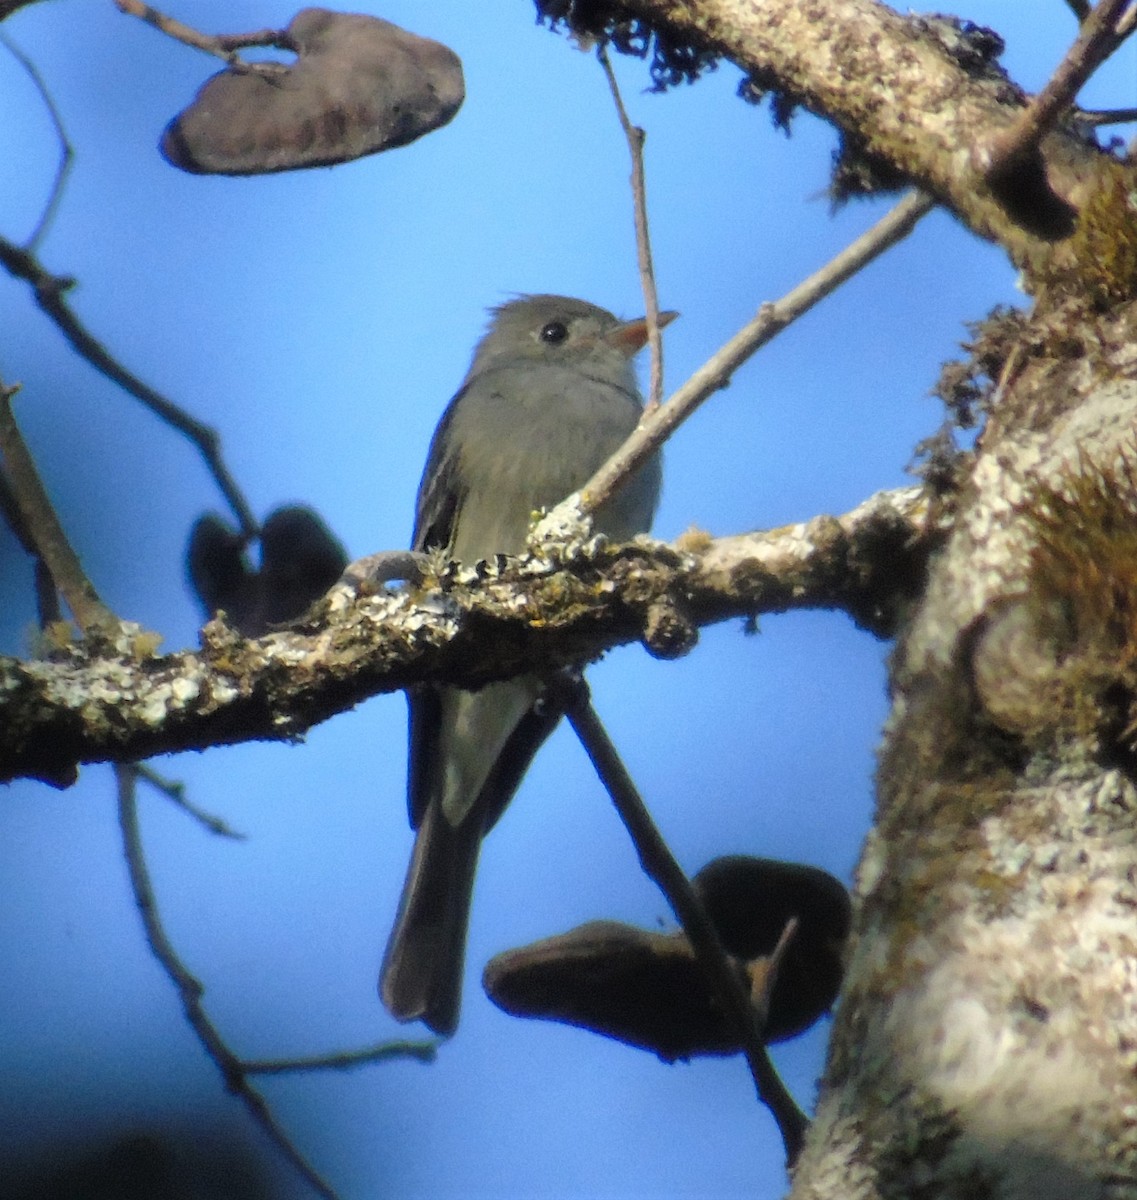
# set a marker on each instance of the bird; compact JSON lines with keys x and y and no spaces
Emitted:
{"x":550,"y":394}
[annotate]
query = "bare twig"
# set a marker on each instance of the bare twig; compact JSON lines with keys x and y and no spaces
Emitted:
{"x":636,"y":137}
{"x":47,"y":597}
{"x":1080,"y":8}
{"x":49,"y":293}
{"x":66,"y":152}
{"x":1099,"y":36}
{"x":660,"y":865}
{"x":223,"y":46}
{"x":13,"y":518}
{"x":424,"y":1051}
{"x":8,"y":7}
{"x":42,"y":525}
{"x":175,"y":791}
{"x":190,"y":989}
{"x":1108,"y":116}
{"x":770,"y":320}
{"x":765,"y":980}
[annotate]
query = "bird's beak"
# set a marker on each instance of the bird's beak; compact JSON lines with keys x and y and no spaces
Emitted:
{"x":630,"y":337}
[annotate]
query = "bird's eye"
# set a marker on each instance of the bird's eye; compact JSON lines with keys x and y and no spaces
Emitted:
{"x":553,"y":333}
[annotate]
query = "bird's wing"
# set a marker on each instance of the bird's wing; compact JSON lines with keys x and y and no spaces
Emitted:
{"x":441,"y":490}
{"x":440,"y":496}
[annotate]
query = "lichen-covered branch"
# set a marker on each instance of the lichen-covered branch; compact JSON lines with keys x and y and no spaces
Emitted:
{"x":911,"y":91}
{"x":114,"y":700}
{"x":985,"y":1042}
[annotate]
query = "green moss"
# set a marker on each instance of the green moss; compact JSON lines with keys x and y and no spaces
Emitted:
{"x":1098,"y":263}
{"x":1083,"y":594}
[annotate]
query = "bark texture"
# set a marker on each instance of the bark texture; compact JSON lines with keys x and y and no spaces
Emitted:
{"x":909,"y":89}
{"x":986,"y":1042}
{"x":116,"y":700}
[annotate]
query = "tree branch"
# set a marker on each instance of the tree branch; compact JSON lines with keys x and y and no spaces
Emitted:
{"x":42,"y":527}
{"x":659,"y":864}
{"x":49,"y":293}
{"x":8,"y":7}
{"x":222,"y":46}
{"x":66,"y":151}
{"x":1096,"y":40}
{"x":770,"y":320}
{"x":175,"y":791}
{"x":190,"y":990}
{"x":423,"y":1051}
{"x":635,"y":138}
{"x":113,"y":702}
{"x":891,"y":81}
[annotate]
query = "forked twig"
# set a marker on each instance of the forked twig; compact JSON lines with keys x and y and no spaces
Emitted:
{"x":770,"y":320}
{"x":234,"y":1071}
{"x":49,"y":292}
{"x":660,"y":865}
{"x":191,"y":990}
{"x":66,"y":151}
{"x":22,"y":263}
{"x":223,"y":46}
{"x":1099,"y":36}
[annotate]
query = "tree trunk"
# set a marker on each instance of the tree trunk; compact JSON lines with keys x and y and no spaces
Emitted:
{"x":986,"y":1041}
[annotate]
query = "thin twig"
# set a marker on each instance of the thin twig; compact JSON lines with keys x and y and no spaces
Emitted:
{"x":8,"y":7}
{"x":223,"y":46}
{"x":66,"y":151}
{"x":636,"y":137}
{"x":190,"y":989}
{"x":49,"y":293}
{"x":42,"y":525}
{"x":660,"y":865}
{"x":424,"y":1051}
{"x":175,"y":791}
{"x":48,"y":610}
{"x":762,"y":989}
{"x":770,"y":320}
{"x":13,"y":518}
{"x":1099,"y":36}
{"x":1107,"y":116}
{"x":1080,"y":8}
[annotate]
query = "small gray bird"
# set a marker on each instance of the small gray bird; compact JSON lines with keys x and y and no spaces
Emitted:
{"x":549,"y":396}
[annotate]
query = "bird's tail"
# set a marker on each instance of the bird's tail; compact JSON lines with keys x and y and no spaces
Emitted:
{"x":421,"y":977}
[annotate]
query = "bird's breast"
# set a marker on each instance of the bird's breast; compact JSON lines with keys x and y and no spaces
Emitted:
{"x":528,"y":439}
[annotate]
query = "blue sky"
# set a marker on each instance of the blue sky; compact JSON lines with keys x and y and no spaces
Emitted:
{"x":321,"y":321}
